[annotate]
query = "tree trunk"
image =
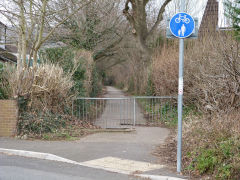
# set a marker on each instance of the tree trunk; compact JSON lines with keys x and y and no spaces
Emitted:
{"x":34,"y":58}
{"x":144,"y":51}
{"x":137,"y":17}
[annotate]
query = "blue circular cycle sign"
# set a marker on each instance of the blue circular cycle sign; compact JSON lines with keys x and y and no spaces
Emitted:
{"x":182,"y":25}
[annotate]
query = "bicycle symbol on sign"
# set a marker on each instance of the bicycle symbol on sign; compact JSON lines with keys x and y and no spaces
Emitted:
{"x":183,"y":19}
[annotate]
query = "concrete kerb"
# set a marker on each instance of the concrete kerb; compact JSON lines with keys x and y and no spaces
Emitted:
{"x":52,"y":157}
{"x":38,"y":155}
{"x":117,"y":130}
{"x":154,"y":177}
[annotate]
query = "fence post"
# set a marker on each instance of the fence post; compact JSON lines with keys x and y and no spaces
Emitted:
{"x":134,"y":111}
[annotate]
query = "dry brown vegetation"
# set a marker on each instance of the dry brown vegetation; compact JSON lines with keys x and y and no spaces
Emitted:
{"x":212,"y":73}
{"x":45,"y":87}
{"x":212,"y":84}
{"x":45,"y":93}
{"x":211,"y":147}
{"x":165,"y":70}
{"x":131,"y":75}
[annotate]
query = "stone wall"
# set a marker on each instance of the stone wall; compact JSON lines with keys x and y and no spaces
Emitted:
{"x":8,"y":117}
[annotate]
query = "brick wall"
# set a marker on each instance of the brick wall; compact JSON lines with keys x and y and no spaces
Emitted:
{"x":8,"y":117}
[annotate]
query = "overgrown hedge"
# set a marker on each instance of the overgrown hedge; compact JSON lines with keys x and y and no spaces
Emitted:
{"x":38,"y":123}
{"x":66,"y":58}
{"x":47,"y":91}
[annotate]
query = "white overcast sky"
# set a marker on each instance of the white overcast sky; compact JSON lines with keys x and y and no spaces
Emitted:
{"x":196,"y":10}
{"x":197,"y":7}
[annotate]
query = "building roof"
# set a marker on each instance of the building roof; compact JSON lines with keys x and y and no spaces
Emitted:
{"x":6,"y":56}
{"x":2,"y":24}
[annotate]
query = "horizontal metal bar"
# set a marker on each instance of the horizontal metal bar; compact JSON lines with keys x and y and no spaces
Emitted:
{"x":88,"y":98}
{"x":155,"y":97}
{"x":127,"y":98}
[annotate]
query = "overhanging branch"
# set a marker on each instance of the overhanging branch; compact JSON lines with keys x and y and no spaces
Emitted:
{"x":127,"y":14}
{"x":103,"y":52}
{"x":160,"y":16}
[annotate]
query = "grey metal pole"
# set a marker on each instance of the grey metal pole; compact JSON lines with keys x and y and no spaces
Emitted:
{"x":134,"y":111}
{"x":180,"y":97}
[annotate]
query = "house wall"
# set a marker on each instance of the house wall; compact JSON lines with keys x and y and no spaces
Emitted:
{"x":8,"y":118}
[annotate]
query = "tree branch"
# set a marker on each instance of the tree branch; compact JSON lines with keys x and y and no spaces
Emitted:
{"x":126,"y":13}
{"x":160,"y":16}
{"x":119,"y":61}
{"x":42,"y":21}
{"x":60,"y":23}
{"x":102,"y":53}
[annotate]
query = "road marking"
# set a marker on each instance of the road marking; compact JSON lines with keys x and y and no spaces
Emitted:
{"x":122,"y":165}
{"x":111,"y":164}
{"x":38,"y":155}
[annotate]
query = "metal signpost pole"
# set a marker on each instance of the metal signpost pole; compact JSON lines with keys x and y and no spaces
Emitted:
{"x":180,"y":96}
{"x":134,"y":111}
{"x":181,"y":25}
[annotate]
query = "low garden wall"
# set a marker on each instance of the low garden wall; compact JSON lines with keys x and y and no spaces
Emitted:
{"x":8,"y":117}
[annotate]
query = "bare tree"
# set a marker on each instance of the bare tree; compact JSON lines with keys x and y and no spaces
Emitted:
{"x":99,"y":27}
{"x":34,"y":23}
{"x":135,"y":12}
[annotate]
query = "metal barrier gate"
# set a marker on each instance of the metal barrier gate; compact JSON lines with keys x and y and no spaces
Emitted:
{"x":125,"y":112}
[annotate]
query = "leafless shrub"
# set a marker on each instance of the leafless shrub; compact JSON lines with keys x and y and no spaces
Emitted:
{"x":213,"y":73}
{"x":138,"y":78}
{"x":165,"y":71}
{"x":132,"y":75}
{"x":45,"y":87}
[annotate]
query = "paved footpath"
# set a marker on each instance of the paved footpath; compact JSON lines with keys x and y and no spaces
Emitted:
{"x":112,"y":150}
{"x":118,"y":113}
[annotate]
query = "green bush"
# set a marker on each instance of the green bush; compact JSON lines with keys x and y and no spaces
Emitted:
{"x":80,"y":69}
{"x":96,"y":83}
{"x":150,"y":90}
{"x":232,"y":10}
{"x":65,"y":58}
{"x":3,"y":83}
{"x":221,"y":159}
{"x":39,"y":123}
{"x":131,"y":85}
{"x":206,"y":161}
{"x":78,"y":78}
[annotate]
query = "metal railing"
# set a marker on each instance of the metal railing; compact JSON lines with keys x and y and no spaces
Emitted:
{"x":157,"y":109}
{"x":126,"y":111}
